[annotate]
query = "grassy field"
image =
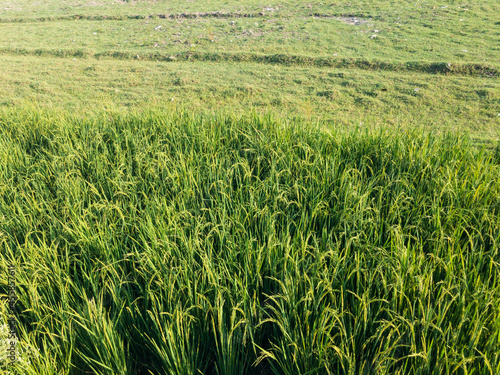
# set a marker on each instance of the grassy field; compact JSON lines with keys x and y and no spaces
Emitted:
{"x":190,"y":187}
{"x":416,"y":64}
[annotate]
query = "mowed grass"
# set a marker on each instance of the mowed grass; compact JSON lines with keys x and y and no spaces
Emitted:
{"x":417,"y":64}
{"x":173,"y":243}
{"x":377,"y":32}
{"x":422,"y":64}
{"x":437,"y":37}
{"x":340,"y":97}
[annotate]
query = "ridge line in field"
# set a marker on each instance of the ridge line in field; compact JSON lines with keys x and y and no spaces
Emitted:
{"x":459,"y":69}
{"x":192,"y":15}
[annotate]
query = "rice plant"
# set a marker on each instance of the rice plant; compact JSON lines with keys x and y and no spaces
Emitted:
{"x":173,"y":243}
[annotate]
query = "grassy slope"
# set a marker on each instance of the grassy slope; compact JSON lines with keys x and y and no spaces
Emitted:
{"x":415,"y":35}
{"x":357,"y":85}
{"x":436,"y":37}
{"x":340,"y":97}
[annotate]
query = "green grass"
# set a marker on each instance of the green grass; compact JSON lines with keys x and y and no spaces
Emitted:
{"x":340,"y":96}
{"x":299,"y":60}
{"x":251,"y":188}
{"x":292,"y":59}
{"x":177,"y":243}
{"x":400,"y":33}
{"x":395,"y":40}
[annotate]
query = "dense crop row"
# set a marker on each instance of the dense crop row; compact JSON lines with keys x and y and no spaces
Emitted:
{"x":179,"y":244}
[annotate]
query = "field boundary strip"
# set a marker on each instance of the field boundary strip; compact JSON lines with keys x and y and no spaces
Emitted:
{"x":193,"y":15}
{"x":447,"y":68}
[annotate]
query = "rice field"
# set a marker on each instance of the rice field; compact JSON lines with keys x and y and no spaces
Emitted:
{"x":181,"y":243}
{"x":233,"y":188}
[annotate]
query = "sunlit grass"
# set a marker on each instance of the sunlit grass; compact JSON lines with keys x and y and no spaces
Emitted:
{"x":242,"y":188}
{"x":181,"y":243}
